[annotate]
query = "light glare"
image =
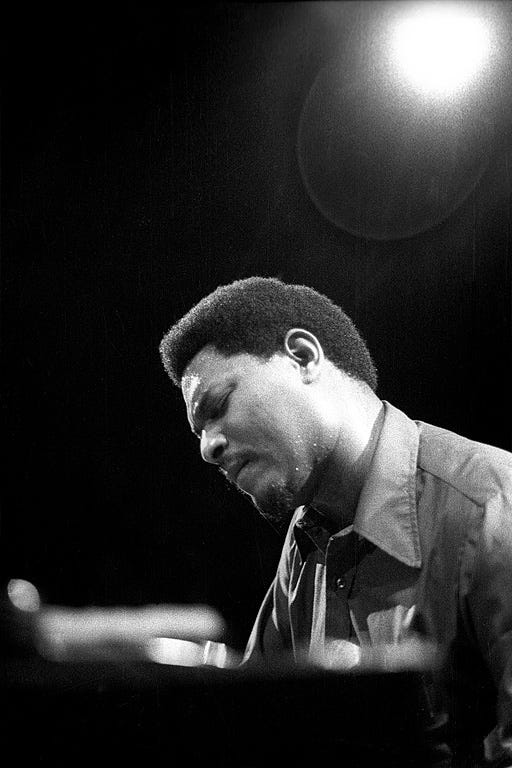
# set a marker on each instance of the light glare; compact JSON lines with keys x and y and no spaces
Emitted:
{"x":440,"y":49}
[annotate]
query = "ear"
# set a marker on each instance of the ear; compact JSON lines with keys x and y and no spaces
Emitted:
{"x":303,"y":348}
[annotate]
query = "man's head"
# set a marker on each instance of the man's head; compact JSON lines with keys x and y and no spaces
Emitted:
{"x":254,"y":315}
{"x":259,"y":362}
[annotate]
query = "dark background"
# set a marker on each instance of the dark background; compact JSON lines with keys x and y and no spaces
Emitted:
{"x":151,"y":155}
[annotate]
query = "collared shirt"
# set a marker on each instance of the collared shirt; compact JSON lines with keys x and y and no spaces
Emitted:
{"x":430,"y":550}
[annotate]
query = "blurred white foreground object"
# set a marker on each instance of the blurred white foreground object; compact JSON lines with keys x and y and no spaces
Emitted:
{"x":413,"y":654}
{"x":61,"y":633}
{"x":183,"y":653}
{"x":122,"y":631}
{"x":23,"y":595}
{"x":337,"y":654}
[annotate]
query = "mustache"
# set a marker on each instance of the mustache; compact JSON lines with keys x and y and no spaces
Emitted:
{"x":230,"y":480}
{"x":231,"y":466}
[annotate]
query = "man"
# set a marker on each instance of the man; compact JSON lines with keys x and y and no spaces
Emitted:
{"x":397,"y":527}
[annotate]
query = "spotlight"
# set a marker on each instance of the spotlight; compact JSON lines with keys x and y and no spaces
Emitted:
{"x":439,"y":48}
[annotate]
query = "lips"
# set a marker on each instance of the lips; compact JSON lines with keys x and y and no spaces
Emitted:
{"x":234,"y":470}
{"x":242,"y":467}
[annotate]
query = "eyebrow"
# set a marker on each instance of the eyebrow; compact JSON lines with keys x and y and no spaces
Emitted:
{"x":206,"y":403}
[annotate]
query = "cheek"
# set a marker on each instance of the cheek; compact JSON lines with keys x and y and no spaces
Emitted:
{"x":274,"y":419}
{"x":289,"y":433}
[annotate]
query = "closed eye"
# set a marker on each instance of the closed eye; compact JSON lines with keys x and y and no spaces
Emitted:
{"x":209,"y":409}
{"x":218,"y":408}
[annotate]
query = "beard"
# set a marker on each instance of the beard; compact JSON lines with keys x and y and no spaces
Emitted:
{"x":278,"y":505}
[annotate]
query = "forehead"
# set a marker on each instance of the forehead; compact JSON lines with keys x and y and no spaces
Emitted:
{"x":210,"y":367}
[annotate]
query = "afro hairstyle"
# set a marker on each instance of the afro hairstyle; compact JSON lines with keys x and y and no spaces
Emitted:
{"x":253,"y":316}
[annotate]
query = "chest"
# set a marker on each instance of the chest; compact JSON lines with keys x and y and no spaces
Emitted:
{"x":364,"y":598}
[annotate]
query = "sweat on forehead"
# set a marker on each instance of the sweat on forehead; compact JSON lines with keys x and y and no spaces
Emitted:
{"x":210,"y":365}
{"x":207,"y":360}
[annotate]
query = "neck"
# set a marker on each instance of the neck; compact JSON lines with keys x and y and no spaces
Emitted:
{"x":346,"y":467}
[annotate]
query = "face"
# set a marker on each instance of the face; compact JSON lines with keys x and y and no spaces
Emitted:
{"x":257,"y":421}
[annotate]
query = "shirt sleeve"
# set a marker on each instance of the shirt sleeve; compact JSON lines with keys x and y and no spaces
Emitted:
{"x":489,"y":601}
{"x":271,"y":637}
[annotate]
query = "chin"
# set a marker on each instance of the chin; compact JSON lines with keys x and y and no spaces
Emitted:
{"x":277,"y":504}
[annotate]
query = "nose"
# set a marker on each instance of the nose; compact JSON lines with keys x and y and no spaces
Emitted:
{"x":212,"y":446}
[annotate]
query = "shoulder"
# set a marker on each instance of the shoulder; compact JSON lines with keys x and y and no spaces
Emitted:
{"x":478,"y":471}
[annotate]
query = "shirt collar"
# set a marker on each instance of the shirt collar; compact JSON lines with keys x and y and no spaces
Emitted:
{"x":386,"y":512}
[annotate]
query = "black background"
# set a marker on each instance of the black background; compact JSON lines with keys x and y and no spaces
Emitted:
{"x":149,"y":156}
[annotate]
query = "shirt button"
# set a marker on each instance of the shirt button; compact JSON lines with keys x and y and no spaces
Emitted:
{"x":340,"y":584}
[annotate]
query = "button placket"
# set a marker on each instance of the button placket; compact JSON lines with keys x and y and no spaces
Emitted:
{"x":340,"y":561}
{"x":338,"y":622}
